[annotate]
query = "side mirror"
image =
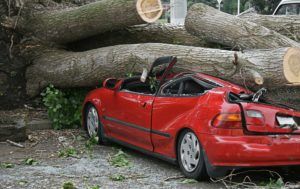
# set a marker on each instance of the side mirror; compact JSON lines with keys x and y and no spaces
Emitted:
{"x":112,"y":83}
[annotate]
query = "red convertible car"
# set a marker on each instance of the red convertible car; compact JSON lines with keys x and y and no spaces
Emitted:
{"x":205,"y":124}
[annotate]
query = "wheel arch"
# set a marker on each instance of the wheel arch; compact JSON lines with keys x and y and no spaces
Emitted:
{"x":212,"y":171}
{"x":90,"y":100}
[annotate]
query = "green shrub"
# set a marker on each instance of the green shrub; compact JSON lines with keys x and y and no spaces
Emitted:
{"x":64,"y":107}
{"x":68,"y":185}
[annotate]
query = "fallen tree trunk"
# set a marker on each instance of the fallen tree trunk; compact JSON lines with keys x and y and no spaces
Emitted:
{"x":77,"y":23}
{"x":12,"y":132}
{"x":287,"y":95}
{"x":277,"y":67}
{"x":288,"y":25}
{"x":222,"y":28}
{"x":145,"y":33}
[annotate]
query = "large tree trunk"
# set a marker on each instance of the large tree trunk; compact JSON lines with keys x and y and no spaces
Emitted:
{"x":145,"y":33}
{"x":219,"y":27}
{"x":288,"y":25}
{"x":273,"y":68}
{"x":287,"y":95}
{"x":77,"y":23}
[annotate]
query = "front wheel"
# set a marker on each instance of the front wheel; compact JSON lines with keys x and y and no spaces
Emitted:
{"x":190,"y":156}
{"x":93,"y":124}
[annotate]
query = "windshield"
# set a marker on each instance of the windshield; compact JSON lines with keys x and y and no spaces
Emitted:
{"x":289,"y":9}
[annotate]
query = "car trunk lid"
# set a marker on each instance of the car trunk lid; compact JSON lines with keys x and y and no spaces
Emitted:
{"x":274,"y":120}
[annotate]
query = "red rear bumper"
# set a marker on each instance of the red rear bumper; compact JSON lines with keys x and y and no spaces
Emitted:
{"x":251,"y":151}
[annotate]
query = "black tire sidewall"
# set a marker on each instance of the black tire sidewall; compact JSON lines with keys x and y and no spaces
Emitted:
{"x":200,"y":172}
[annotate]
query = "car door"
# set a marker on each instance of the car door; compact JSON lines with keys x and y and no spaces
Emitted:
{"x":173,"y":109}
{"x":128,"y":118}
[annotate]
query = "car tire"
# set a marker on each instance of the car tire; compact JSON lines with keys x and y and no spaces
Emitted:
{"x":190,"y":156}
{"x":93,"y":124}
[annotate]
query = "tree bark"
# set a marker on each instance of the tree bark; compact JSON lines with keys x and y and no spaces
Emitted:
{"x":222,"y":28}
{"x":77,"y":23}
{"x":145,"y":33}
{"x":88,"y":68}
{"x":288,"y":25}
{"x":286,"y":95}
{"x":16,"y":133}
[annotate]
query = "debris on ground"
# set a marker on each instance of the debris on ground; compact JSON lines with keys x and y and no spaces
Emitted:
{"x":110,"y":166}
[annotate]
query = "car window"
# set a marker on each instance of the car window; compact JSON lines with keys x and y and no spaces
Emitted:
{"x":183,"y":87}
{"x":289,"y":9}
{"x":191,"y":87}
{"x":135,"y":85}
{"x":172,"y":89}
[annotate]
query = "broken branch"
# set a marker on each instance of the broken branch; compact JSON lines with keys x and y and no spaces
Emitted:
{"x":15,"y":144}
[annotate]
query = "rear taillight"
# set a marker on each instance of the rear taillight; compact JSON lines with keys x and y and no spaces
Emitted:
{"x":255,"y":117}
{"x":228,"y":121}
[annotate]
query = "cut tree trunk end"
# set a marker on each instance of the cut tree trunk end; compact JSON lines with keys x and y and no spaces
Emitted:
{"x":85,"y":21}
{"x":287,"y":25}
{"x":149,"y":10}
{"x":222,"y":28}
{"x":82,"y":69}
{"x":291,"y":66}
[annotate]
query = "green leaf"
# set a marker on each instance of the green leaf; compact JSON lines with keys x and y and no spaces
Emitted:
{"x":22,"y":182}
{"x":68,"y":185}
{"x":30,"y":161}
{"x":280,"y":182}
{"x":95,"y":187}
{"x":64,"y":107}
{"x":6,"y":165}
{"x":68,"y":152}
{"x":117,"y":177}
{"x":188,"y":181}
{"x":120,"y":159}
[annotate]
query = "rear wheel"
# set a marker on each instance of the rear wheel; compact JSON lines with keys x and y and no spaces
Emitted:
{"x":93,"y":124}
{"x":190,"y":156}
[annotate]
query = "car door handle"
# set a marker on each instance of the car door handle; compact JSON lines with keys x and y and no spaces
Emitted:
{"x":143,"y":104}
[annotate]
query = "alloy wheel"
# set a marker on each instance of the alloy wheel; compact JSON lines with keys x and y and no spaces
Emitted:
{"x":190,"y":152}
{"x":92,"y":122}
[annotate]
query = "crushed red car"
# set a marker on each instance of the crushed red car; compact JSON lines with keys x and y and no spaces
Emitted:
{"x":205,"y":124}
